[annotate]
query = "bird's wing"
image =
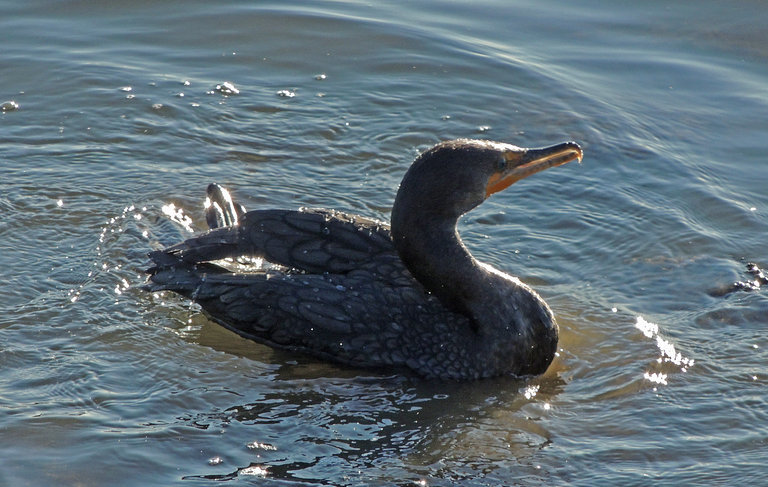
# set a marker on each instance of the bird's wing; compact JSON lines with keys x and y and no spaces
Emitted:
{"x":311,"y":240}
{"x":317,"y":240}
{"x":351,"y":319}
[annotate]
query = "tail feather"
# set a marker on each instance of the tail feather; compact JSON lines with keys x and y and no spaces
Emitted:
{"x":220,"y":209}
{"x":182,"y":267}
{"x":183,"y":279}
{"x":217,"y":244}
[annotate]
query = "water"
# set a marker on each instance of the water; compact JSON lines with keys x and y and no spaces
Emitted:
{"x":660,"y":380}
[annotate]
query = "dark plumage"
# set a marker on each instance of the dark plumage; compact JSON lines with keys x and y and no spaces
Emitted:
{"x":351,"y":290}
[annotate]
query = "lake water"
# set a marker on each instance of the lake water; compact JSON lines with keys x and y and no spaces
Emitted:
{"x":112,"y":114}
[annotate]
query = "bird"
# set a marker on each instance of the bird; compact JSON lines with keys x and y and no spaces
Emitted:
{"x":406,"y":296}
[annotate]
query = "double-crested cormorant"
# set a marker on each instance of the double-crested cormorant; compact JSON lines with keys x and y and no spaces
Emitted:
{"x":356,"y":291}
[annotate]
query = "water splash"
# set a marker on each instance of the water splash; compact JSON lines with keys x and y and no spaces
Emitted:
{"x":130,"y":222}
{"x":177,"y":215}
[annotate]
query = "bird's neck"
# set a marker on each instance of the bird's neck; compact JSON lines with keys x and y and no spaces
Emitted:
{"x":435,"y":255}
{"x":512,"y":323}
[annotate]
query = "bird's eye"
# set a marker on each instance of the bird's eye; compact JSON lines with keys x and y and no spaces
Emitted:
{"x":501,"y":163}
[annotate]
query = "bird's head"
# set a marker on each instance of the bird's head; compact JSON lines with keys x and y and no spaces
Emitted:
{"x":453,"y":177}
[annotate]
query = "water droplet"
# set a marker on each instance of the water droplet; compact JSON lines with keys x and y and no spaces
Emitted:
{"x":9,"y":106}
{"x":215,"y":461}
{"x":227,"y":88}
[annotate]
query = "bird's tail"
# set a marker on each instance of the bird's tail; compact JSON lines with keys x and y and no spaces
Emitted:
{"x":221,"y":243}
{"x":187,"y":280}
{"x":183,"y":267}
{"x":223,"y":215}
{"x":220,"y":209}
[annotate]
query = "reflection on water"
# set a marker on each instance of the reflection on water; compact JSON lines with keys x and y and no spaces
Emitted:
{"x":668,"y":353}
{"x":365,"y":421}
{"x":115,"y":118}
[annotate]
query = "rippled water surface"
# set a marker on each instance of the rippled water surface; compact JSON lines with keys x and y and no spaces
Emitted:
{"x":112,"y":113}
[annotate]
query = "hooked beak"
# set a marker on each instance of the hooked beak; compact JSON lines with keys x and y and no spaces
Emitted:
{"x":522,"y":163}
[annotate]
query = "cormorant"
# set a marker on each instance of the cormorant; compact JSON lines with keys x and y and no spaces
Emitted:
{"x":357,"y":291}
